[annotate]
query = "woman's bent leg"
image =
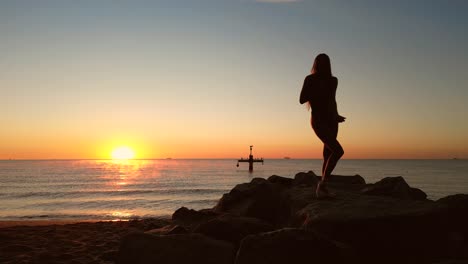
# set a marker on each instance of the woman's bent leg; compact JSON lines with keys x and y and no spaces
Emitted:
{"x":332,"y":152}
{"x":326,"y":155}
{"x":336,"y":153}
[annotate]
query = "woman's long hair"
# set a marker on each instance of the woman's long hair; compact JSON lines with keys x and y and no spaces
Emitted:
{"x":322,"y":65}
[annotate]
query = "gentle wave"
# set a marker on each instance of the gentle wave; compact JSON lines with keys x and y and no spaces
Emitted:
{"x":96,"y":217}
{"x":112,"y":193}
{"x":117,"y":203}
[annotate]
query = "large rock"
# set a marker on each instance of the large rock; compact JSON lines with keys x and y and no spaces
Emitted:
{"x":310,"y":179}
{"x":355,"y":179}
{"x":287,"y":182}
{"x":292,"y":246}
{"x":191,"y":218}
{"x":306,"y":178}
{"x":456,"y":207}
{"x":140,"y":248}
{"x":456,"y":215}
{"x":457,"y":202}
{"x":395,"y":187}
{"x":232,"y":228}
{"x":258,"y":199}
{"x":411,"y":230}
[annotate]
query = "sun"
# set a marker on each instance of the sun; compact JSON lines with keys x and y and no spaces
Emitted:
{"x":123,"y":153}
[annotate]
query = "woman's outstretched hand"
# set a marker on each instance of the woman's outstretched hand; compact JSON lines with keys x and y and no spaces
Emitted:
{"x":340,"y":119}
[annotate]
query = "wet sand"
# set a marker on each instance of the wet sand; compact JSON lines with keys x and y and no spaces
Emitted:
{"x":67,"y":241}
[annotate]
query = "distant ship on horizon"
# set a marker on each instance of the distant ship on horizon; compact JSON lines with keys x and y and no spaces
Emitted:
{"x":287,"y":158}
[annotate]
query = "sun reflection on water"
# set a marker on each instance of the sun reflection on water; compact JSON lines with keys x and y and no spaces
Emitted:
{"x":121,"y":216}
{"x":121,"y":173}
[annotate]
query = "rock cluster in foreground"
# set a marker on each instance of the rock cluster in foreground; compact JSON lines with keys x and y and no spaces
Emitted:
{"x":279,"y":220}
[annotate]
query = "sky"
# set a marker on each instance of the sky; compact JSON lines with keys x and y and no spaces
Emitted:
{"x":207,"y":79}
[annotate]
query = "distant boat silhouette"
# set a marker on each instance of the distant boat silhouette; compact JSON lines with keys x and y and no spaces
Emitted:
{"x":287,"y":157}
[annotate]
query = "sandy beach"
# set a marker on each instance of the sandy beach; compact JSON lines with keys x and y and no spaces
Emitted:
{"x":66,"y":241}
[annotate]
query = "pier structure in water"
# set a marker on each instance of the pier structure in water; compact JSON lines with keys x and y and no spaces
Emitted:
{"x":250,"y":160}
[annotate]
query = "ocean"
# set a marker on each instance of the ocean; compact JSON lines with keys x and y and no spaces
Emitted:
{"x":121,"y":190}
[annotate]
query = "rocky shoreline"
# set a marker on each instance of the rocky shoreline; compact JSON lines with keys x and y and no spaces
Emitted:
{"x":279,"y":220}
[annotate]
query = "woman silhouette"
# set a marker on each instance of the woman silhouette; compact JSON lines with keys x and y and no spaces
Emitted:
{"x":318,"y":92}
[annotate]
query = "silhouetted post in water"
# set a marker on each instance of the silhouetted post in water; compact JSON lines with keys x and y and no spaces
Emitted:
{"x":251,"y":160}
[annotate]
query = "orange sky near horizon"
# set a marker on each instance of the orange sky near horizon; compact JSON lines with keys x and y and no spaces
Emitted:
{"x":306,"y":147}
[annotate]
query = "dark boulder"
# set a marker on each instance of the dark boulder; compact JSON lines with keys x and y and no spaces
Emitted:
{"x":287,"y":182}
{"x":374,"y":225}
{"x":258,"y":199}
{"x":140,"y":248}
{"x":356,"y":179}
{"x":456,"y":202}
{"x":190,"y":218}
{"x":311,"y":179}
{"x":305,"y":178}
{"x":346,"y":183}
{"x":288,"y":245}
{"x":456,"y":219}
{"x":395,"y":187}
{"x":456,"y":208}
{"x":417,"y":194}
{"x":232,"y":228}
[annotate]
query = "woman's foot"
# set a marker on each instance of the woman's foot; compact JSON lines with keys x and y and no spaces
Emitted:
{"x":322,"y":191}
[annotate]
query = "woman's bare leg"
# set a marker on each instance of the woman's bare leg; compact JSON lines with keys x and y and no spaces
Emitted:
{"x":332,"y":152}
{"x":326,"y":155}
{"x":336,"y":153}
